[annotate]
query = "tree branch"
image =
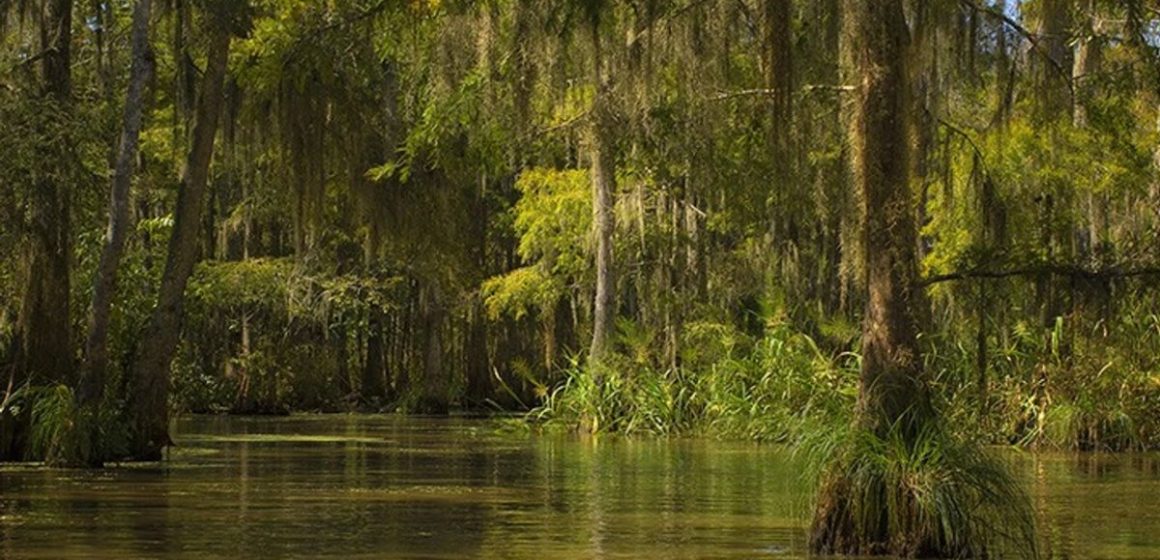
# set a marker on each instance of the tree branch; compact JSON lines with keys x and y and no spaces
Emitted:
{"x":725,"y":95}
{"x":647,"y":26}
{"x":1031,"y":38}
{"x":318,"y":32}
{"x":573,"y":121}
{"x":1072,"y":271}
{"x":962,"y":133}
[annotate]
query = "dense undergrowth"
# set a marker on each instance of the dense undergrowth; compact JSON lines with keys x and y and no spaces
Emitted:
{"x":1083,"y":385}
{"x":1101,"y":394}
{"x":1058,"y":389}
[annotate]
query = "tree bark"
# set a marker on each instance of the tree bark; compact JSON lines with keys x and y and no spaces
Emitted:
{"x":891,"y":365}
{"x":150,"y":375}
{"x":97,"y":344}
{"x":435,"y":397}
{"x":1051,"y":59}
{"x":43,"y":342}
{"x":891,"y":391}
{"x":603,"y":186}
{"x":779,"y":80}
{"x":45,"y":330}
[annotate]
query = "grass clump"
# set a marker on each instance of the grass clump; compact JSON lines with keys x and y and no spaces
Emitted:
{"x":781,"y":383}
{"x":916,"y":492}
{"x":63,"y":433}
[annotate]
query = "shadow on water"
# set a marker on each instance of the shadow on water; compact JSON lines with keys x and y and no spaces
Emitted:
{"x":375,"y":487}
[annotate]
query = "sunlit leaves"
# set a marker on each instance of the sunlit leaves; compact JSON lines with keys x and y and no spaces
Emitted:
{"x":520,"y":292}
{"x":553,"y":218}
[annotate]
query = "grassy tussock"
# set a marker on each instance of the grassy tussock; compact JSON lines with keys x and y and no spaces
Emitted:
{"x":926,"y":494}
{"x":65,"y":434}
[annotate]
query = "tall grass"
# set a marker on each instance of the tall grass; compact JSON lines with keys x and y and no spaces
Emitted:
{"x":62,"y":433}
{"x":1086,"y":387}
{"x":916,"y":493}
{"x":1098,"y":390}
{"x":783,"y":383}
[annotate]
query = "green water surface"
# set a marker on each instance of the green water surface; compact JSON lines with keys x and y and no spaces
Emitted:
{"x":396,"y":487}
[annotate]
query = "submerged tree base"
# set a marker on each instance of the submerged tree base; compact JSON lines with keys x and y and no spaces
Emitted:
{"x":919,"y":494}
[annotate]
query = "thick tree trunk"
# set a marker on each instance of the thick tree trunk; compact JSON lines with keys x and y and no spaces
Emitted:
{"x":891,"y":391}
{"x":891,"y":364}
{"x":1050,"y":60}
{"x":97,"y":344}
{"x":778,"y":62}
{"x":43,"y":343}
{"x":46,"y":352}
{"x":150,"y":376}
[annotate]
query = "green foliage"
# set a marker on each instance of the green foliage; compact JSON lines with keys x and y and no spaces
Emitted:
{"x":273,"y":303}
{"x":55,"y":429}
{"x":431,"y":156}
{"x":927,"y":494}
{"x":553,"y":218}
{"x":254,"y":283}
{"x":784,"y":385}
{"x":610,"y":398}
{"x":66,"y":434}
{"x":520,"y":291}
{"x":1078,"y":386}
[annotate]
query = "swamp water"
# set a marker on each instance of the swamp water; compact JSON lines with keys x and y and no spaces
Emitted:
{"x":395,"y":487}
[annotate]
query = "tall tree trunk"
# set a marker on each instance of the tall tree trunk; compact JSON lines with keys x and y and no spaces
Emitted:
{"x":45,"y":329}
{"x":43,"y":344}
{"x":405,"y":344}
{"x":150,"y":390}
{"x":891,"y":391}
{"x":891,"y":366}
{"x":56,"y":39}
{"x":603,"y":189}
{"x":479,"y":385}
{"x":1088,"y":60}
{"x":372,"y":390}
{"x":779,"y":81}
{"x":97,"y":344}
{"x":476,"y":356}
{"x":435,"y":398}
{"x":1050,"y":60}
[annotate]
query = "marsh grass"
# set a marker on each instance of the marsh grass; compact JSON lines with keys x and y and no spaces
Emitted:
{"x":783,"y":384}
{"x":916,"y":493}
{"x":65,"y":434}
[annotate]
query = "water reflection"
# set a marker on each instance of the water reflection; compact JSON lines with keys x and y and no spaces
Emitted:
{"x":384,"y":487}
